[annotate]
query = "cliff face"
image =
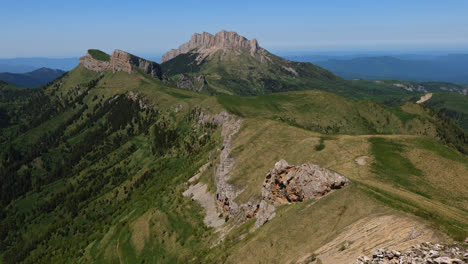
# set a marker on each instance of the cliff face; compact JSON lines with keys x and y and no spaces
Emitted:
{"x":92,"y":64}
{"x":207,"y":43}
{"x":122,"y":61}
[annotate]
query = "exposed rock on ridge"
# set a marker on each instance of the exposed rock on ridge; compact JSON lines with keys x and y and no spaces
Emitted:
{"x":92,"y":64}
{"x":225,"y":193}
{"x":206,"y":44}
{"x":284,"y":184}
{"x":121,"y":61}
{"x":287,"y":184}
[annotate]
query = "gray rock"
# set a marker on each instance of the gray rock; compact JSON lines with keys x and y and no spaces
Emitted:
{"x":225,"y":192}
{"x":206,"y":44}
{"x":287,"y":184}
{"x":265,"y":213}
{"x":424,"y":253}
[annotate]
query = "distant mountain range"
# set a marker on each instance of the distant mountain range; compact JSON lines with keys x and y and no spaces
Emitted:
{"x":447,"y":68}
{"x":22,"y":65}
{"x":31,"y":79}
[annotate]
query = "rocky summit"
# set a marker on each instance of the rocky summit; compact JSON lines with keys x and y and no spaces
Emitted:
{"x":120,"y":61}
{"x":206,"y":44}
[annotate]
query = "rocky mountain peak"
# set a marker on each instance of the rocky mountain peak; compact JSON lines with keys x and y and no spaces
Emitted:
{"x":121,"y":61}
{"x":206,"y":44}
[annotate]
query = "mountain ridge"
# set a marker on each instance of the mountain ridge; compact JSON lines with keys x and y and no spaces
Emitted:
{"x":31,"y":79}
{"x":97,"y":61}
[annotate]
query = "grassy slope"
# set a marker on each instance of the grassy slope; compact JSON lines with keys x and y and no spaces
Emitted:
{"x":126,"y":221}
{"x":239,"y":73}
{"x":99,"y":55}
{"x":453,"y":105}
{"x":331,"y":114}
{"x":403,"y":172}
{"x":113,"y":202}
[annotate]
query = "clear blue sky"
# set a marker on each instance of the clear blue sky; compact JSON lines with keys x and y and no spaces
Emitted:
{"x":68,"y":28}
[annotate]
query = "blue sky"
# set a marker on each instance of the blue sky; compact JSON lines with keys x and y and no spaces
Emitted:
{"x":68,"y":28}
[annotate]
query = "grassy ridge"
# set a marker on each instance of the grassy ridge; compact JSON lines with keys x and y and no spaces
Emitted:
{"x":105,"y":178}
{"x":452,"y":105}
{"x":99,"y":55}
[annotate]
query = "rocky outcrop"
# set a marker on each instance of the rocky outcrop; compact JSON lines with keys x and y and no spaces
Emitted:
{"x":206,"y":44}
{"x":287,"y":184}
{"x":284,"y":184}
{"x":122,"y":61}
{"x":93,"y":64}
{"x":196,"y":84}
{"x":225,"y":192}
{"x":424,"y":253}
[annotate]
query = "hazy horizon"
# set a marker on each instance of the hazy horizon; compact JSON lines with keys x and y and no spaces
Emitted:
{"x":50,"y":29}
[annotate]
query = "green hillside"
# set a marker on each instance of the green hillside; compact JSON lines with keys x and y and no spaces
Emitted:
{"x":99,"y":55}
{"x":452,"y":105}
{"x":243,"y":74}
{"x":93,"y":167}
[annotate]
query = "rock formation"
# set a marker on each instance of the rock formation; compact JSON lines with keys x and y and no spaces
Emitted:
{"x":287,"y":184}
{"x":225,"y":192}
{"x":424,"y":253}
{"x":284,"y":184}
{"x":196,"y":84}
{"x":92,"y":64}
{"x":206,"y":44}
{"x":121,"y":61}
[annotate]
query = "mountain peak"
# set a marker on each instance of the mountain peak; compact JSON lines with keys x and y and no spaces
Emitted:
{"x":206,"y":44}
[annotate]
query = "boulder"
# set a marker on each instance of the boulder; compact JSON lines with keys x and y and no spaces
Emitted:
{"x":287,"y":184}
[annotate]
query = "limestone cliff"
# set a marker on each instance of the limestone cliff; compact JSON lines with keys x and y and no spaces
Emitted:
{"x":206,"y":44}
{"x":121,"y":61}
{"x":93,"y":64}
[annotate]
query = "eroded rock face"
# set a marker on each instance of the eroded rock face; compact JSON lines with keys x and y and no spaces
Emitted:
{"x":207,"y":43}
{"x":92,"y":64}
{"x":122,"y":61}
{"x":196,"y":84}
{"x":287,"y":184}
{"x":225,"y":192}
